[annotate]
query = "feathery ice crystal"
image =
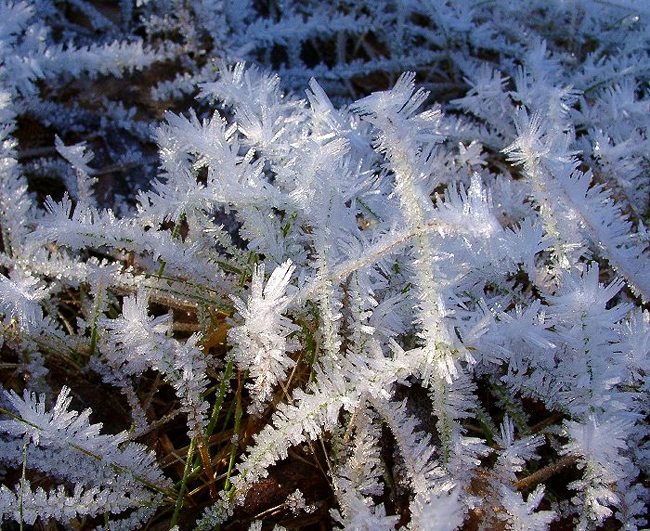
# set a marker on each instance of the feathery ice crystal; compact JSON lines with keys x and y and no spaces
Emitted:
{"x":429,"y":276}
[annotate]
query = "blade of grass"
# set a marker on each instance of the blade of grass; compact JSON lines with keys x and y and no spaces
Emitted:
{"x":183,"y":486}
{"x":235,"y":441}
{"x":23,"y":479}
{"x":218,"y":403}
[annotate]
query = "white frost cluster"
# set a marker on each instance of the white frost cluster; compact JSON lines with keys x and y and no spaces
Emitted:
{"x":261,"y":345}
{"x":408,"y":237}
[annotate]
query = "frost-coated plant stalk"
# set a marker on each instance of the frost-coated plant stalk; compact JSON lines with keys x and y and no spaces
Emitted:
{"x":415,"y":298}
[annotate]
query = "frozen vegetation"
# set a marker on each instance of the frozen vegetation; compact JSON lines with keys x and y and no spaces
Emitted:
{"x":401,"y":245}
